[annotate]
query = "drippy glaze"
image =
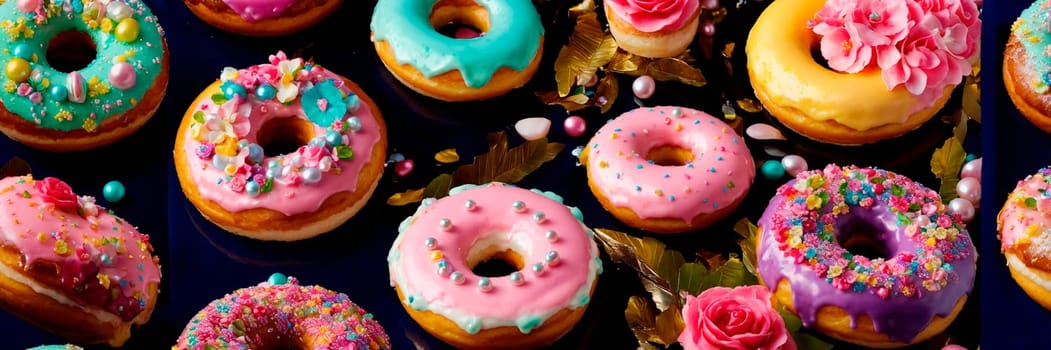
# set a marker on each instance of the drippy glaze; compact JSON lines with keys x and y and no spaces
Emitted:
{"x":256,"y":10}
{"x":57,"y":347}
{"x":931,"y":260}
{"x":1031,"y":30}
{"x":512,"y":40}
{"x":1024,"y":218}
{"x":84,"y":98}
{"x":282,"y":310}
{"x":721,"y":172}
{"x":231,"y":169}
{"x":104,"y":261}
{"x":430,"y":259}
{"x":652,"y":16}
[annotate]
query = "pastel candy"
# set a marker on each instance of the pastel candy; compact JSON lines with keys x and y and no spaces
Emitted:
{"x":76,"y":87}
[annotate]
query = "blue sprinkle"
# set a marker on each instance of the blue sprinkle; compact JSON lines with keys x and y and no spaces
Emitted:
{"x":671,"y":198}
{"x":666,"y":175}
{"x":711,"y":122}
{"x":696,"y":121}
{"x":735,"y":140}
{"x":715,"y":205}
{"x":616,"y":129}
{"x":632,"y":134}
{"x":689,"y":165}
{"x":705,"y":201}
{"x":712,"y":169}
{"x":719,"y":158}
{"x":352,"y":336}
{"x":594,"y":146}
{"x":618,"y":176}
{"x":638,"y":188}
{"x":140,"y":266}
{"x":638,"y":166}
{"x":725,"y":189}
{"x":651,"y":162}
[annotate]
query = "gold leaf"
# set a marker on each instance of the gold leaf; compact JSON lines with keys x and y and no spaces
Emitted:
{"x":570,"y":103}
{"x":589,"y":48}
{"x":748,"y":232}
{"x":643,"y":255}
{"x":438,"y":187}
{"x":972,"y":107}
{"x":663,"y":69}
{"x":669,"y":326}
{"x":641,"y":317}
{"x":730,"y":274}
{"x":749,"y":105}
{"x":15,"y":167}
{"x":946,"y":164}
{"x":728,"y":50}
{"x":506,"y":165}
{"x":584,"y":7}
{"x":407,"y":197}
{"x":668,"y":269}
{"x":691,"y":278}
{"x":623,"y":62}
{"x":448,"y":155}
{"x":607,"y":87}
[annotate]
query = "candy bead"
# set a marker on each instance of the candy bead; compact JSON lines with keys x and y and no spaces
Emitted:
{"x":252,"y":188}
{"x":773,"y":170}
{"x":972,"y":169}
{"x":457,"y":277}
{"x":265,"y":92}
{"x":516,"y":278}
{"x":231,"y":89}
{"x":310,"y":175}
{"x":643,"y":87}
{"x":333,"y":138}
{"x":122,"y":76}
{"x":277,"y":279}
{"x":22,"y":51}
{"x":539,"y":217}
{"x":396,"y":157}
{"x":117,"y":10}
{"x":708,"y":28}
{"x":76,"y":87}
{"x":575,"y":126}
{"x":430,"y":242}
{"x":17,"y":69}
{"x":354,"y":124}
{"x":255,"y":153}
{"x":445,"y":224}
{"x":470,"y":205}
{"x":970,"y":189}
{"x":962,"y":207}
{"x":28,"y":6}
{"x":113,"y":191}
{"x":403,"y":168}
{"x":794,"y":164}
{"x":533,"y":128}
{"x":538,"y":268}
{"x":552,"y":258}
{"x":58,"y":92}
{"x":353,"y":102}
{"x":127,"y":30}
{"x":551,"y":235}
{"x":484,"y":284}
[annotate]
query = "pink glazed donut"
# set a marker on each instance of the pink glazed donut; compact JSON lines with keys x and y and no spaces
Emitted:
{"x":668,"y":169}
{"x":432,"y":259}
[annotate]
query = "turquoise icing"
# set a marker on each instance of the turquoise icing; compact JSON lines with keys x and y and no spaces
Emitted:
{"x":527,"y":323}
{"x":551,"y":195}
{"x":579,"y":215}
{"x":1031,"y":30}
{"x":55,"y":347}
{"x":102,"y":99}
{"x":512,"y":40}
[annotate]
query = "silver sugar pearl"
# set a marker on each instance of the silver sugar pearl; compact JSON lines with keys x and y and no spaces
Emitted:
{"x":457,"y":277}
{"x":677,"y":112}
{"x":539,"y":217}
{"x":118,"y":10}
{"x":551,"y":235}
{"x":444,"y":270}
{"x":516,"y":278}
{"x":430,"y":242}
{"x":484,"y":284}
{"x":518,"y":206}
{"x":538,"y":268}
{"x":445,"y":224}
{"x":551,"y":258}
{"x":427,"y":202}
{"x":470,"y":205}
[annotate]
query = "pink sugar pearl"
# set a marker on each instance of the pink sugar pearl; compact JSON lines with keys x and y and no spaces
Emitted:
{"x":122,"y":75}
{"x":28,"y":6}
{"x":575,"y":126}
{"x":643,"y":87}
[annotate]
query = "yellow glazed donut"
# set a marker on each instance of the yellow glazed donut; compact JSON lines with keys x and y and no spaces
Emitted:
{"x":861,"y":96}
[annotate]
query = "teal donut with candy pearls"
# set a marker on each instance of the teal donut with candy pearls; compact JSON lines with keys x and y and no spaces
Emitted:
{"x":130,"y":57}
{"x":57,"y":347}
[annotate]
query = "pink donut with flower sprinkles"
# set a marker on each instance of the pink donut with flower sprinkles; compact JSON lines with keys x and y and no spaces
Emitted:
{"x":231,"y":165}
{"x":558,"y":265}
{"x":280,"y":313}
{"x":668,"y":169}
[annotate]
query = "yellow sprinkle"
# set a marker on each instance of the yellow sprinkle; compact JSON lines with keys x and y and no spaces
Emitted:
{"x":436,"y":255}
{"x":686,"y":189}
{"x":41,"y":236}
{"x":230,"y":169}
{"x":45,"y":83}
{"x":103,"y":280}
{"x":61,"y":248}
{"x":930,"y":242}
{"x":678,"y":127}
{"x":121,"y":58}
{"x":1032,"y":230}
{"x":613,"y":136}
{"x":603,"y":164}
{"x":659,"y":193}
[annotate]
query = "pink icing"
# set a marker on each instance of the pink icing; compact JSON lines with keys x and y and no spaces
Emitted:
{"x":494,"y":219}
{"x":98,"y":253}
{"x":288,"y":194}
{"x":923,"y":46}
{"x":655,"y":15}
{"x":1025,"y":214}
{"x":721,"y":172}
{"x":256,"y":10}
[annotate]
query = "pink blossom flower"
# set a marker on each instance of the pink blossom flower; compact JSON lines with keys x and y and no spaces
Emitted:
{"x":56,"y":192}
{"x":312,"y":155}
{"x":237,"y":183}
{"x":733,"y":318}
{"x":923,"y":63}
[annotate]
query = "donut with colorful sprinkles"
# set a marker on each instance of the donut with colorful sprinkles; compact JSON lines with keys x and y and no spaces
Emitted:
{"x":1024,"y":224}
{"x":79,"y":74}
{"x":865,"y":255}
{"x":262,"y":18}
{"x":433,"y":261}
{"x":71,"y":267}
{"x":668,"y":169}
{"x":280,"y":313}
{"x":280,"y":151}
{"x":1027,"y":65}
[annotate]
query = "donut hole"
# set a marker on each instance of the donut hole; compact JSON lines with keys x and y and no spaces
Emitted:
{"x":860,"y":237}
{"x":70,"y":51}
{"x":460,"y":19}
{"x":815,"y":52}
{"x":493,"y":256}
{"x":284,"y":135}
{"x":669,"y":155}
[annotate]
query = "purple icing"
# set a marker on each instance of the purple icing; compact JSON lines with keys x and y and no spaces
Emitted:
{"x":900,"y":318}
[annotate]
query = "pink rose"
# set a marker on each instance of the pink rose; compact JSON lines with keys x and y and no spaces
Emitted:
{"x":269,"y":74}
{"x":655,"y":15}
{"x":741,"y":318}
{"x":237,"y":183}
{"x":56,"y":192}
{"x":922,"y":63}
{"x":312,"y":155}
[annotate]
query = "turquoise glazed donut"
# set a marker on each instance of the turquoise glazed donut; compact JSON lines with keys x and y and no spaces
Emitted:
{"x":79,"y":106}
{"x":503,"y":57}
{"x":57,"y":347}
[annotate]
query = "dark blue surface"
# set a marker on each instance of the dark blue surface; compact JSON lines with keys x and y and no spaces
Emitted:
{"x":202,"y":263}
{"x":1010,"y":319}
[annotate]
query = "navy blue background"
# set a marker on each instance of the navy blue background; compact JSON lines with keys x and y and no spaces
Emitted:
{"x":1010,"y":319}
{"x":202,"y":263}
